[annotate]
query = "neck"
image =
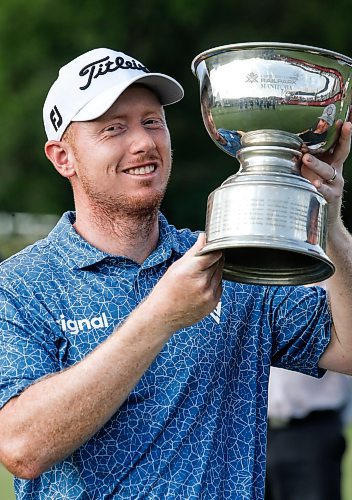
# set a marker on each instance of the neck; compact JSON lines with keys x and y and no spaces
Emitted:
{"x":134,"y":237}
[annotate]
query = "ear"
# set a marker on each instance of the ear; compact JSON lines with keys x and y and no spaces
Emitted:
{"x":61,"y":155}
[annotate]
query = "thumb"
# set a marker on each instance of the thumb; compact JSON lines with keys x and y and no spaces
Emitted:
{"x":198,"y":245}
{"x":201,"y":240}
{"x":209,"y":258}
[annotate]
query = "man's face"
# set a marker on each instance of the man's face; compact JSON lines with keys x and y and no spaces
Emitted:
{"x":322,"y":126}
{"x":123,"y":159}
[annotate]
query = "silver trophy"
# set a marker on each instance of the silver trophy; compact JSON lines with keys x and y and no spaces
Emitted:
{"x":266,"y":104}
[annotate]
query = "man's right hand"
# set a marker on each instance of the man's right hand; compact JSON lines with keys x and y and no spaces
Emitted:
{"x":190,"y":289}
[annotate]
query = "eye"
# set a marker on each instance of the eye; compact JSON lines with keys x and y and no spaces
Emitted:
{"x":115,"y":128}
{"x":154,"y":123}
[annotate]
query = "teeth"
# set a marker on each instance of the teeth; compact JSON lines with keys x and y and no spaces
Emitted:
{"x":141,"y":170}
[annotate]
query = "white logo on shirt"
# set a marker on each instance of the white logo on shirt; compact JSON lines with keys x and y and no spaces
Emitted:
{"x":216,"y":313}
{"x":74,"y":326}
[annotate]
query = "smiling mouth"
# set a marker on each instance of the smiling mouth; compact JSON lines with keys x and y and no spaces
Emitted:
{"x":147,"y":169}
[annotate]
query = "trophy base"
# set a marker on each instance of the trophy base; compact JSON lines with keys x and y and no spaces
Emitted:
{"x":271,"y":227}
{"x":269,"y":265}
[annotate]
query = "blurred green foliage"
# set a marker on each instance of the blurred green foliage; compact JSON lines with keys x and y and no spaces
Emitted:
{"x":38,"y":37}
{"x":6,"y":485}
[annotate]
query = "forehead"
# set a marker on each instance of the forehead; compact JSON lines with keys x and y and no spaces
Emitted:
{"x":134,"y":98}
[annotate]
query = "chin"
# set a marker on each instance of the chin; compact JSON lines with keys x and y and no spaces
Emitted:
{"x":144,"y":204}
{"x":137,"y":206}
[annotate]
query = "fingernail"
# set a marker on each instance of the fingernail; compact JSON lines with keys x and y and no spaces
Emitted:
{"x":308,"y":158}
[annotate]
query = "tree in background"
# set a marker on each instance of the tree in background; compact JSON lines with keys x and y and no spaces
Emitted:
{"x":37,"y":37}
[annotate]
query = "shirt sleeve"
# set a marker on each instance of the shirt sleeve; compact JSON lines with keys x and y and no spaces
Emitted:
{"x":301,"y":325}
{"x":27,"y":347}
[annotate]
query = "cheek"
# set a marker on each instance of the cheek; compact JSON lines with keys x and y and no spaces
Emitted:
{"x":111,"y":169}
{"x":167,"y":146}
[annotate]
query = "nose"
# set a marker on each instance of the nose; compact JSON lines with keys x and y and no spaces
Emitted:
{"x":142,"y":140}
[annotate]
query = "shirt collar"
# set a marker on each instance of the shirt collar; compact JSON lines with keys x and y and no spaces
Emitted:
{"x":78,"y":253}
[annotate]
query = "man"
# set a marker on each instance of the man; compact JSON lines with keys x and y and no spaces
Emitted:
{"x":128,"y":369}
{"x":315,"y":137}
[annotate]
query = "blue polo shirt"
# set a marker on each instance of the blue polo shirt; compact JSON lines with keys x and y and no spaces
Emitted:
{"x":195,"y":425}
{"x":233,"y":140}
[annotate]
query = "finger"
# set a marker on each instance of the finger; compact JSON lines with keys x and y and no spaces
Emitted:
{"x":343,"y":145}
{"x":217,"y":283}
{"x":215,"y":271}
{"x":201,"y":241}
{"x":315,"y":170}
{"x":320,"y":164}
{"x":318,"y":171}
{"x":339,"y":152}
{"x":199,"y":244}
{"x":209,"y":262}
{"x":216,"y":278}
{"x":207,"y":259}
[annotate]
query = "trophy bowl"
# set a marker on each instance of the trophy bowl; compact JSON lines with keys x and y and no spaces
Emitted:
{"x":266,"y":104}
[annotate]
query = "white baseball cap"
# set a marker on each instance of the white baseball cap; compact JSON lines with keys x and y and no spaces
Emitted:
{"x":88,"y":86}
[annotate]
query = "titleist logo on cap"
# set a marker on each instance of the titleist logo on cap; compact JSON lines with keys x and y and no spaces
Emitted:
{"x":106,"y":65}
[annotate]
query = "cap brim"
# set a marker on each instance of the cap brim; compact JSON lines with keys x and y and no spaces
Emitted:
{"x":168,"y":90}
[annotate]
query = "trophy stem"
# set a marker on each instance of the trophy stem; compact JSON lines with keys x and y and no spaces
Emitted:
{"x":270,"y":150}
{"x":272,"y":137}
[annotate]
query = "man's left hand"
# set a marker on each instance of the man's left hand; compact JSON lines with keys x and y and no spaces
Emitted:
{"x":325,"y":170}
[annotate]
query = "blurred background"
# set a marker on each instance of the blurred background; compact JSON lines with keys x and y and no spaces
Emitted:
{"x":38,"y":37}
